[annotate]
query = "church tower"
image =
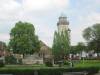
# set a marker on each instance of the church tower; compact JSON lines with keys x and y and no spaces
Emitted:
{"x":62,"y":24}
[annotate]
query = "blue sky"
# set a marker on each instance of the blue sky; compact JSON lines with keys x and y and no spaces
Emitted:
{"x":43,"y":14}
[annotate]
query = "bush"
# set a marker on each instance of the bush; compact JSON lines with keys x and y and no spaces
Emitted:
{"x":66,"y":63}
{"x":49,"y":64}
{"x":10,"y":60}
{"x":48,"y":71}
{"x":20,"y":61}
{"x":1,"y":63}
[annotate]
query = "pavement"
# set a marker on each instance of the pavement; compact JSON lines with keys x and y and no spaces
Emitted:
{"x":75,"y":73}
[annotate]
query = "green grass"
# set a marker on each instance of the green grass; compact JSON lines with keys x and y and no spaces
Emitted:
{"x":30,"y":67}
{"x":88,"y":63}
{"x":89,"y":66}
{"x":77,"y":64}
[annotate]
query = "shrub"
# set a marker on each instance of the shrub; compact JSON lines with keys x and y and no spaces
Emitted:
{"x":66,"y":63}
{"x":48,"y":71}
{"x":10,"y":60}
{"x":20,"y":61}
{"x":1,"y":63}
{"x":49,"y":64}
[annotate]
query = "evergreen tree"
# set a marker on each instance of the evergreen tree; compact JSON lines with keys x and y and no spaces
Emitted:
{"x":61,"y":45}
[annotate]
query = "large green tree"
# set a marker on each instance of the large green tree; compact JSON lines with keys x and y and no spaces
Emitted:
{"x":61,"y":45}
{"x":92,"y":36}
{"x":80,"y":47}
{"x":23,"y":39}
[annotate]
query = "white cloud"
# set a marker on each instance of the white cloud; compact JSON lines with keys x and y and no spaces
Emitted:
{"x":31,"y":11}
{"x":4,"y":37}
{"x":83,"y":22}
{"x":44,"y":4}
{"x":93,"y":18}
{"x":89,"y":19}
{"x":39,"y":12}
{"x":8,"y":5}
{"x":9,"y":10}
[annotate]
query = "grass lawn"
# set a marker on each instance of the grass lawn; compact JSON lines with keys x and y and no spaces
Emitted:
{"x":77,"y":64}
{"x":88,"y":63}
{"x":22,"y":66}
{"x":34,"y":67}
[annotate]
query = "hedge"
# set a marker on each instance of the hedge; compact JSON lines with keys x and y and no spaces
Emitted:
{"x":48,"y":71}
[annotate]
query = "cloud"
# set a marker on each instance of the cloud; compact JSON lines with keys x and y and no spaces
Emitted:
{"x":4,"y":37}
{"x":93,"y":18}
{"x":44,"y":4}
{"x":36,"y":12}
{"x":9,"y":10}
{"x":83,"y":22}
{"x":89,"y":19}
{"x":43,"y":15}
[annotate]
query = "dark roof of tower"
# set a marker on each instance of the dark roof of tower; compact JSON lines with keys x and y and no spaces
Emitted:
{"x":62,"y":20}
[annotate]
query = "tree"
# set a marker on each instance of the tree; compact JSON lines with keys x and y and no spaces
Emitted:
{"x":61,"y":45}
{"x":23,"y":39}
{"x":73,"y":50}
{"x":80,"y":47}
{"x":92,"y":36}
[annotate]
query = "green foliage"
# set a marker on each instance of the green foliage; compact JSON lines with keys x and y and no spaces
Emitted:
{"x":48,"y":70}
{"x":2,"y":63}
{"x":20,"y":61}
{"x":80,"y":47}
{"x":66,"y":63}
{"x":61,"y":45}
{"x":92,"y":36}
{"x":3,"y":46}
{"x":49,"y":64}
{"x":88,"y":63}
{"x":10,"y":60}
{"x":23,"y":39}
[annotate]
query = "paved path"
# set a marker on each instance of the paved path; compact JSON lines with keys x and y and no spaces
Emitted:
{"x":98,"y":73}
{"x":74,"y":73}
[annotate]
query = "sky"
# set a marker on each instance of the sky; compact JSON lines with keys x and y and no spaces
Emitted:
{"x":44,"y":14}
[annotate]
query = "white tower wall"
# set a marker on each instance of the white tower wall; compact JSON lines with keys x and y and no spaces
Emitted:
{"x":62,"y":24}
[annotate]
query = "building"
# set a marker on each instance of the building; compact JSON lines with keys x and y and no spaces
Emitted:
{"x":63,"y":24}
{"x":45,"y":54}
{"x":63,"y":27}
{"x":2,"y":50}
